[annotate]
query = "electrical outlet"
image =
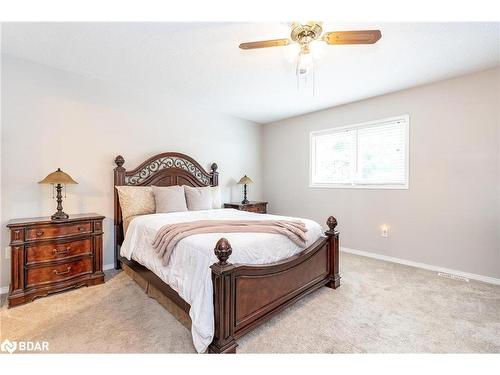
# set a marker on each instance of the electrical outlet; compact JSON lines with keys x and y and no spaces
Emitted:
{"x":7,"y":252}
{"x":384,"y":231}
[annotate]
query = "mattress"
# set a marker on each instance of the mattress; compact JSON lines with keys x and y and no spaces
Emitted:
{"x":188,"y":271}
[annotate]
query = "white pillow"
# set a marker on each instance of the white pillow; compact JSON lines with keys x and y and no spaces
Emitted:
{"x":216,"y":197}
{"x":198,"y":198}
{"x":169,"y":199}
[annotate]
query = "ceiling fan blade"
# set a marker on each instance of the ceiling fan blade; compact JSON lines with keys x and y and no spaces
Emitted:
{"x":352,"y":37}
{"x":265,"y":44}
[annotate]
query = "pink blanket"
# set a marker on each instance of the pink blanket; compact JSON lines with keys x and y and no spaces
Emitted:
{"x":169,"y":235}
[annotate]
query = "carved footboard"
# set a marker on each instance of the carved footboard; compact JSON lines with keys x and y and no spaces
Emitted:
{"x":248,"y":295}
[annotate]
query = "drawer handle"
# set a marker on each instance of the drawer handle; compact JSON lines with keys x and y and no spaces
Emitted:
{"x":39,"y":233}
{"x":80,"y":229}
{"x":60,"y":252}
{"x":62,"y":272}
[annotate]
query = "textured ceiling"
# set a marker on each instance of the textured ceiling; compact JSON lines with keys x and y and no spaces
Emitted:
{"x":201,"y":62}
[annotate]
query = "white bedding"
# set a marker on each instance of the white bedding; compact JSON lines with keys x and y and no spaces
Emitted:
{"x":188,"y":271}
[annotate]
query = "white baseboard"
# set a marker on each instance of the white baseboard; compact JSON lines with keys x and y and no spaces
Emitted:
{"x":486,"y":279}
{"x":5,"y":289}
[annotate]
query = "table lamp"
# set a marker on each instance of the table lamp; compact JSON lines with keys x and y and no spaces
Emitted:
{"x":58,"y":179}
{"x":245,"y":180}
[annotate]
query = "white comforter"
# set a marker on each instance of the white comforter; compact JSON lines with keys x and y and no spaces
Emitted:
{"x":188,"y":271}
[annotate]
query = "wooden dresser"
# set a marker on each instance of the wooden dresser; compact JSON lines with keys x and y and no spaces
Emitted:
{"x":53,"y":256}
{"x":252,"y":206}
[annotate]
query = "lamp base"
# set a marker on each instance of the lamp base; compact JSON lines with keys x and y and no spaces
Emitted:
{"x":245,"y":200}
{"x":60,"y":215}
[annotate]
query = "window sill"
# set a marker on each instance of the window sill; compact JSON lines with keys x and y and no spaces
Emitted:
{"x":360,"y":186}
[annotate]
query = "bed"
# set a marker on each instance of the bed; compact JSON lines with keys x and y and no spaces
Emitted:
{"x":226,"y":294}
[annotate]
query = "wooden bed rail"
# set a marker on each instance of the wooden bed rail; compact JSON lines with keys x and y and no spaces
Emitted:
{"x":248,"y":295}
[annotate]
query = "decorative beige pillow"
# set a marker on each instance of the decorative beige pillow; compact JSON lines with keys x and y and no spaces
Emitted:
{"x":136,"y":200}
{"x":169,"y":199}
{"x":199,"y":198}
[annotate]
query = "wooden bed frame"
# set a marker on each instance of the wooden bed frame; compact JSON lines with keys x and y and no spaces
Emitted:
{"x":244,"y":295}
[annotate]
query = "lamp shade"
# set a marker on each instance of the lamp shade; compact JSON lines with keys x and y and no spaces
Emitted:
{"x":58,"y":177}
{"x":245,"y":180}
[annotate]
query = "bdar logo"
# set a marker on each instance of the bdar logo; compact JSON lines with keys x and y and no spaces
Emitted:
{"x":8,"y":346}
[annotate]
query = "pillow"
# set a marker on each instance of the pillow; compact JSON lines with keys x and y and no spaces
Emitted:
{"x":169,"y":199}
{"x":216,"y":197}
{"x":136,"y":200}
{"x":199,"y":198}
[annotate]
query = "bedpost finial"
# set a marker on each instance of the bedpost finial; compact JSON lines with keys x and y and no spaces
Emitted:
{"x":223,"y":251}
{"x":119,"y":160}
{"x":332,"y":223}
{"x":214,"y":167}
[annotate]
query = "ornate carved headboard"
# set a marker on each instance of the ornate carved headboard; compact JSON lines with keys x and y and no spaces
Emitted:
{"x":166,"y":169}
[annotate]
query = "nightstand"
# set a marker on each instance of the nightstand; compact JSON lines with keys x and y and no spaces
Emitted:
{"x":252,"y":206}
{"x":52,"y":256}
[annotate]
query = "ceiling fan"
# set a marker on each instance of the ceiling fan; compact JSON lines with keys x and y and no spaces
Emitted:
{"x":305,"y":34}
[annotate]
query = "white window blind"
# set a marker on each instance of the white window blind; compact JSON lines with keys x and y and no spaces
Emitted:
{"x":369,"y":155}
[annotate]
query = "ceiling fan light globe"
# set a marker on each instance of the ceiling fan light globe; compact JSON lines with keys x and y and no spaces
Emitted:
{"x":317,"y":49}
{"x":291,"y":52}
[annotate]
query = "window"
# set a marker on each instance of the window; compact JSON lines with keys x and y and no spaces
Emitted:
{"x":369,"y":155}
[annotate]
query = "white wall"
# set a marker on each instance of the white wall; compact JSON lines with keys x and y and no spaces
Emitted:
{"x":449,"y":217}
{"x":56,"y":119}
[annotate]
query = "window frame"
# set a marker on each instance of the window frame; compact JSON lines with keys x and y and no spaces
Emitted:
{"x":357,"y":185}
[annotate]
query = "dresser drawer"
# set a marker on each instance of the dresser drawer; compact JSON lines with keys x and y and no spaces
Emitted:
{"x":60,"y":230}
{"x":252,"y":206}
{"x":260,"y":209}
{"x":60,"y":272}
{"x":52,"y":251}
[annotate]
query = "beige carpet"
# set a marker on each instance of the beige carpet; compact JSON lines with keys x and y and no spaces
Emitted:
{"x":381,"y":307}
